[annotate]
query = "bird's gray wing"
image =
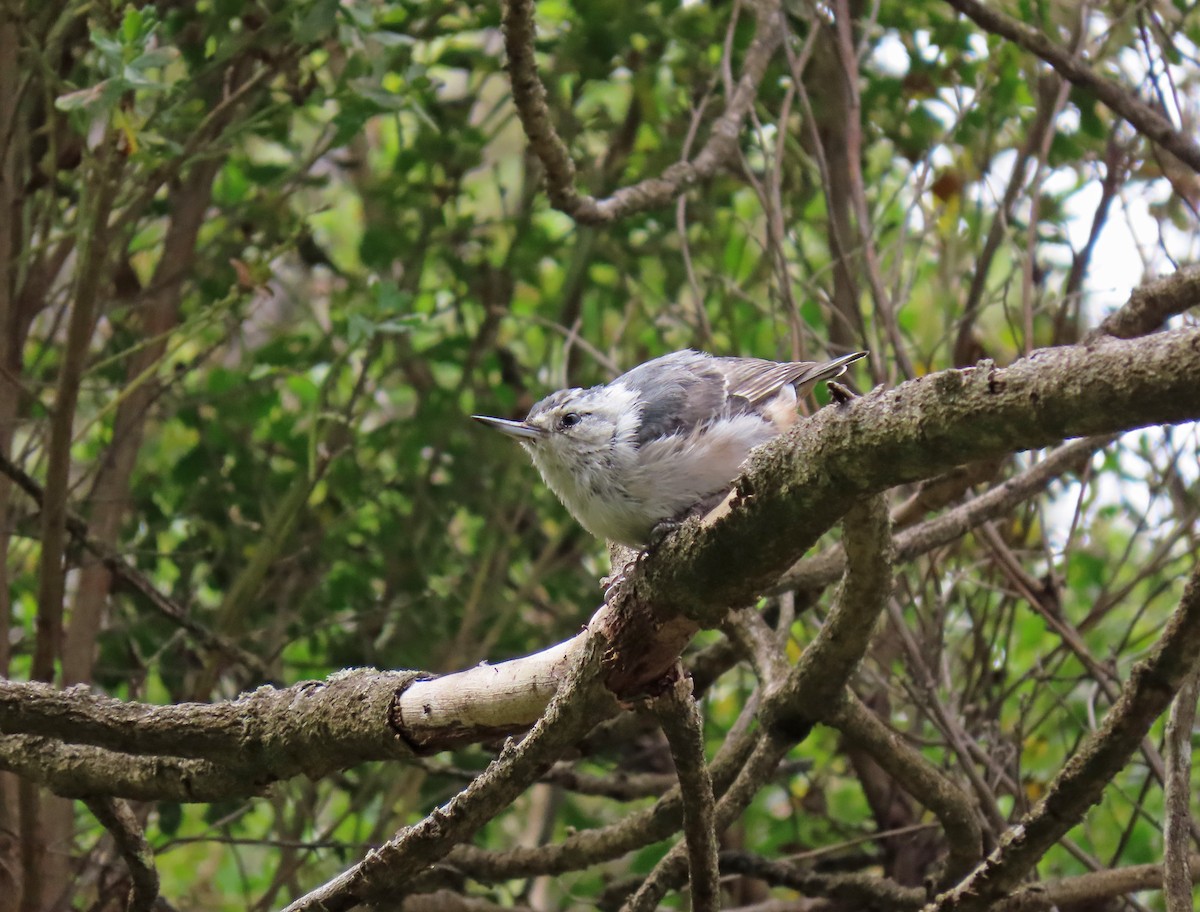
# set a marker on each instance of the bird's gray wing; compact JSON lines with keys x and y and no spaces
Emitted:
{"x":755,"y":380}
{"x":678,"y":392}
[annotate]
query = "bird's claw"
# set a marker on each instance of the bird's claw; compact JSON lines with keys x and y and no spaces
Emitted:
{"x":611,"y":583}
{"x":659,"y":533}
{"x":840,"y":393}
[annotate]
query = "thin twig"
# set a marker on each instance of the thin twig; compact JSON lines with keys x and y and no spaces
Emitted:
{"x":529,"y":96}
{"x":679,"y":715}
{"x":1177,"y":825}
{"x":131,"y":576}
{"x":825,"y":568}
{"x":884,"y":306}
{"x":130,"y":840}
{"x":1145,"y":119}
{"x":850,"y":891}
{"x":759,"y":643}
{"x":964,"y":345}
{"x":920,"y":778}
{"x":925,"y":691}
{"x":1152,"y":685}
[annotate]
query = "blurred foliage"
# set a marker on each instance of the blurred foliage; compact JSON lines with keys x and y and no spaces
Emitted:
{"x":377,"y":262}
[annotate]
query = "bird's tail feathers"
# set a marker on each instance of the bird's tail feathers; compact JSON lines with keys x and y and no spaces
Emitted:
{"x":827,"y":370}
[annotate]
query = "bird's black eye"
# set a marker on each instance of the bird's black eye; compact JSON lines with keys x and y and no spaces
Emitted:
{"x":569,"y":420}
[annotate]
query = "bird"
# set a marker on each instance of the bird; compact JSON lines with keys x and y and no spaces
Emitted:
{"x":640,"y":452}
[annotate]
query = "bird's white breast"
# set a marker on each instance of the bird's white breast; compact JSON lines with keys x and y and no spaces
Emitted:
{"x":619,"y":490}
{"x":677,"y":472}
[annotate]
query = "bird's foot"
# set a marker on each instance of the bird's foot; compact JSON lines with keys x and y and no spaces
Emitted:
{"x":659,"y":533}
{"x":839,"y":393}
{"x":611,"y":583}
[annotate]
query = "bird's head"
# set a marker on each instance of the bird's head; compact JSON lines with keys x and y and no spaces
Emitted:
{"x":574,"y":429}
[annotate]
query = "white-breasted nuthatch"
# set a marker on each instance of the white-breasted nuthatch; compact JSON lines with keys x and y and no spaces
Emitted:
{"x":661,"y":438}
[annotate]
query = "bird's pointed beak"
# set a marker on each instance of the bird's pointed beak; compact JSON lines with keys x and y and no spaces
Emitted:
{"x":518,"y":430}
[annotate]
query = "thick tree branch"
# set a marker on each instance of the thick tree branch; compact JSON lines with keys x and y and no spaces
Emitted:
{"x":1151,"y":305}
{"x":920,"y":429}
{"x":529,"y":96}
{"x":1145,"y":119}
{"x":312,"y":727}
{"x":486,"y":701}
{"x":82,"y":771}
{"x":385,"y":871}
{"x":799,"y":484}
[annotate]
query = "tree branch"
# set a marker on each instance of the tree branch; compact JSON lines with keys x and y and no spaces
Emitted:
{"x":1151,"y":305}
{"x":823,"y":569}
{"x":919,"y":778}
{"x":812,"y":689}
{"x":851,"y":891}
{"x":486,"y":701}
{"x":312,"y":727}
{"x":1177,"y":874}
{"x":888,"y":437}
{"x":1152,"y":685}
{"x":385,"y":871}
{"x":683,"y":724}
{"x":83,"y":771}
{"x":529,"y":96}
{"x":870,"y":892}
{"x":1145,"y":119}
{"x":669,"y":872}
{"x":632,"y":832}
{"x":86,"y":294}
{"x":116,"y":817}
{"x":918,"y":430}
{"x":808,"y":694}
{"x":1083,"y":889}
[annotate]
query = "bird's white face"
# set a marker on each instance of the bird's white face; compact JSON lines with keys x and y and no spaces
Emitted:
{"x":579,"y":441}
{"x":574,"y":429}
{"x":582,"y":442}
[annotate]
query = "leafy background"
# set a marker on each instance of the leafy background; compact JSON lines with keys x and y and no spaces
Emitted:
{"x":271,"y":419}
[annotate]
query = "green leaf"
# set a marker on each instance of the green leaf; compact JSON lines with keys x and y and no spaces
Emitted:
{"x":169,"y":815}
{"x":318,"y":22}
{"x":80,"y":99}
